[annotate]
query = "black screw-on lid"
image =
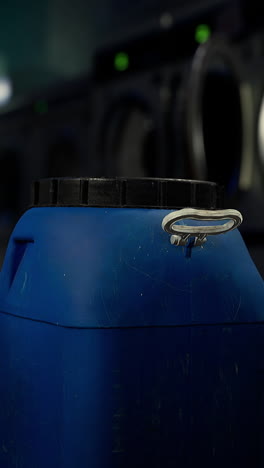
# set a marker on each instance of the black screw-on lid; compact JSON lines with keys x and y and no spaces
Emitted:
{"x":127,"y":193}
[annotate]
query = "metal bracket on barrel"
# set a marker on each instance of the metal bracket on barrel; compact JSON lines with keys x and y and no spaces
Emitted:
{"x":181,"y":234}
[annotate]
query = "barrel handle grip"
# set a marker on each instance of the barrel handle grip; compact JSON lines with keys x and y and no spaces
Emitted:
{"x":181,"y":233}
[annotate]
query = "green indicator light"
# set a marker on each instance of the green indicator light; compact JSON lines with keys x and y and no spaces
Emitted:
{"x":202,"y":33}
{"x":41,"y":107}
{"x":121,"y":61}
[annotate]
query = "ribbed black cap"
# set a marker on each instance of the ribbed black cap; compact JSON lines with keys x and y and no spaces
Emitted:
{"x":127,"y":193}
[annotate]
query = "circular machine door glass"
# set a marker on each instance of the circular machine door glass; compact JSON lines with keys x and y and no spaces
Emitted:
{"x":222,"y":124}
{"x":130,"y":143}
{"x":215,"y":117}
{"x":261,"y":133}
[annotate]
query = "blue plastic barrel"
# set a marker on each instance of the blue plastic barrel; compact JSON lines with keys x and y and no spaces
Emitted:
{"x":119,"y":349}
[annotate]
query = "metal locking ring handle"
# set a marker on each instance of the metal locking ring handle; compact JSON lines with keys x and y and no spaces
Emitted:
{"x":182,"y":233}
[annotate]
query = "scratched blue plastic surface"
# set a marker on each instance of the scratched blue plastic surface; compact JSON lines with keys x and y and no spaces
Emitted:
{"x":117,"y":351}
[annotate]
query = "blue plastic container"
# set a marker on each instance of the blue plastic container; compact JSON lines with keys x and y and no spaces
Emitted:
{"x":118,"y":350}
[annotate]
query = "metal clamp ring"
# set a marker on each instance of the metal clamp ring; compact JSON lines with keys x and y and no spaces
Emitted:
{"x":182,"y":233}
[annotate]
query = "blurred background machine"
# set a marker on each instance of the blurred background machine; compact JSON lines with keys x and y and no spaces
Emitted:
{"x":175,"y":89}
